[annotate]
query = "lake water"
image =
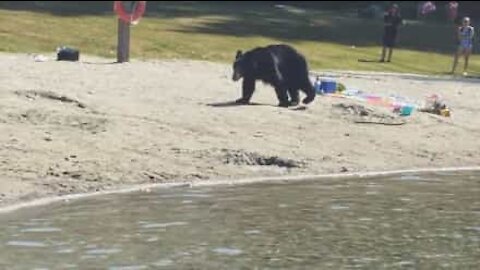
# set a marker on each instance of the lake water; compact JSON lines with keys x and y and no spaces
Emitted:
{"x":398,"y":222}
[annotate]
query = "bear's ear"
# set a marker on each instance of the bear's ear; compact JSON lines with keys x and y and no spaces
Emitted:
{"x":239,"y":54}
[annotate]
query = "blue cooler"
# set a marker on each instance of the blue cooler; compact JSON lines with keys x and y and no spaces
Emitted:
{"x":328,"y":86}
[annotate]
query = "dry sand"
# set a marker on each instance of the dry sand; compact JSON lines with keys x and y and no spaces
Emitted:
{"x":80,"y":127}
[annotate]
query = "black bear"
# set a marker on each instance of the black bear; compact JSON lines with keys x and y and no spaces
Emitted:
{"x":281,"y":66}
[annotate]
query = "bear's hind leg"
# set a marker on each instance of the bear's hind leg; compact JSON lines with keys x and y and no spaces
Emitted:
{"x":294,"y":96}
{"x":282,"y":96}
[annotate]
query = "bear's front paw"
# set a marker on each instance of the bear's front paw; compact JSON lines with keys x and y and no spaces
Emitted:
{"x":293,"y":103}
{"x":241,"y":101}
{"x":284,"y":104}
{"x":308,"y":100}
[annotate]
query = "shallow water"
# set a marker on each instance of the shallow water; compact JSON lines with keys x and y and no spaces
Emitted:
{"x":402,"y":222}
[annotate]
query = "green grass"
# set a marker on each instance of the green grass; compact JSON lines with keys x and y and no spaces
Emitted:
{"x":214,"y":31}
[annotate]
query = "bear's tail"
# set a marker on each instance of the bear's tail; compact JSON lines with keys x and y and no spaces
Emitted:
{"x":309,"y":91}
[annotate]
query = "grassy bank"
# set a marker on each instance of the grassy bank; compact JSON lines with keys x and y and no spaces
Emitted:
{"x":213,"y":32}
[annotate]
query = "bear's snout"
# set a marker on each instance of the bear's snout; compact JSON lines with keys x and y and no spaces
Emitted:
{"x":236,"y":76}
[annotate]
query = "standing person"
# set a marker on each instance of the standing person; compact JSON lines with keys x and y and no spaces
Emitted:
{"x":465,"y":35}
{"x":392,"y":20}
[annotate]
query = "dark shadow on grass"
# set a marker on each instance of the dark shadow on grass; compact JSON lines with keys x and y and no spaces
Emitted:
{"x":347,"y":31}
{"x":342,"y":30}
{"x":369,"y":61}
{"x":61,"y":8}
{"x":163,"y":9}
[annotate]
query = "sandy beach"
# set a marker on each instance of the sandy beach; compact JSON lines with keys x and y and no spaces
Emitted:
{"x":69,"y":127}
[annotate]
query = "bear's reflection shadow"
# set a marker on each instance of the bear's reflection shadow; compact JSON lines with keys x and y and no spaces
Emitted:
{"x":234,"y":104}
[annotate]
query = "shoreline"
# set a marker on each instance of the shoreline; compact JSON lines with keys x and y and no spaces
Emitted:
{"x":219,"y":183}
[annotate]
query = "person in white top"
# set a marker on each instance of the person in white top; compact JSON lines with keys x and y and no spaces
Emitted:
{"x":465,"y":35}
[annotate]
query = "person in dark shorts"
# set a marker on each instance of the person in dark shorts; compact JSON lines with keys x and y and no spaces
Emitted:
{"x":392,"y":20}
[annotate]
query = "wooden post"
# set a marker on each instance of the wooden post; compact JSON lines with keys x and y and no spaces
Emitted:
{"x":123,"y":43}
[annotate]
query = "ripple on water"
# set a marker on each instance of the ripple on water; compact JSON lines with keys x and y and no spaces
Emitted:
{"x":38,"y":219}
{"x":410,"y":177}
{"x":227,"y":251}
{"x":162,"y":225}
{"x":404,"y":263}
{"x":339,"y":207}
{"x":105,"y":251}
{"x":41,"y":230}
{"x":26,"y":243}
{"x":129,"y":267}
{"x":152,"y":239}
{"x":65,"y":251}
{"x":252,"y":232}
{"x":363,"y":260}
{"x":475,"y":229}
{"x":163,"y":263}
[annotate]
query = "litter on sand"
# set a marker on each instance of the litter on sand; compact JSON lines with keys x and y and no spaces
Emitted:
{"x":397,"y":104}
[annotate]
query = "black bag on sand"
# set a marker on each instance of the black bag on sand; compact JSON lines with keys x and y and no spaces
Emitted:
{"x":67,"y":54}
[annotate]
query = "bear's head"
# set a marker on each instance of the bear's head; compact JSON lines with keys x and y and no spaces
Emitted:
{"x":238,"y":66}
